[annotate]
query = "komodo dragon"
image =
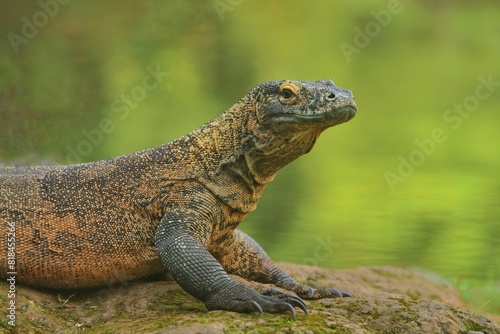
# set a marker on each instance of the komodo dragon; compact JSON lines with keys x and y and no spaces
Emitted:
{"x":176,"y":206}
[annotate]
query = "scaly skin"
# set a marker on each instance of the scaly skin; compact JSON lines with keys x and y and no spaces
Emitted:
{"x":173,"y":207}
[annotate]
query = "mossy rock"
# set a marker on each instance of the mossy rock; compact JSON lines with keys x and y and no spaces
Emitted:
{"x":385,"y":300}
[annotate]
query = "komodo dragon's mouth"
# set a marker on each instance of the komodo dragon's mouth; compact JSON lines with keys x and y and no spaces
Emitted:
{"x":342,"y":115}
{"x":330,"y":118}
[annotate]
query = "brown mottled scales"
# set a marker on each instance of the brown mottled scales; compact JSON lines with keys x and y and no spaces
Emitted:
{"x":176,"y":206}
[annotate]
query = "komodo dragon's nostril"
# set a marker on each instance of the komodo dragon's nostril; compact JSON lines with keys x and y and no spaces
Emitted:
{"x":331,"y":97}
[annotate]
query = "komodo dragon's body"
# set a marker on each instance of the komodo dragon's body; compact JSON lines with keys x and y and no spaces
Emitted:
{"x":175,"y":206}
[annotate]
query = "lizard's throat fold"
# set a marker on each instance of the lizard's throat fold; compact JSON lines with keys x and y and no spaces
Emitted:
{"x":265,"y":159}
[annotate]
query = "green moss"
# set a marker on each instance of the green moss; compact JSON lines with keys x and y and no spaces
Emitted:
{"x":285,"y":324}
{"x":413,"y":295}
{"x":353,"y":307}
{"x":405,"y":301}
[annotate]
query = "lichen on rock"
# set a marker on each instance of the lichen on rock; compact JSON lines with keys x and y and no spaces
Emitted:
{"x":385,"y":300}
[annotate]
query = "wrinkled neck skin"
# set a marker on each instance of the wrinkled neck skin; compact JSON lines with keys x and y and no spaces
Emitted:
{"x":242,"y":156}
{"x":273,"y":150}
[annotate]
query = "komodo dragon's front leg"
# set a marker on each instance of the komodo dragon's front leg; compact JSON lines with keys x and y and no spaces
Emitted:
{"x":248,"y":260}
{"x":180,"y":240}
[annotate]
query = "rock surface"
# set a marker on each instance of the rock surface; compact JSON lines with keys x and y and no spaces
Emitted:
{"x":386,"y":300}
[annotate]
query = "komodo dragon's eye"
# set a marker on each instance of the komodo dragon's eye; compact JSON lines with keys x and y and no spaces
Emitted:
{"x":288,"y":93}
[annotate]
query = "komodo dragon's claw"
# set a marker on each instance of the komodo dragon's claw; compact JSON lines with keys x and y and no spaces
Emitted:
{"x":292,"y":311}
{"x":343,"y":294}
{"x":290,"y":299}
{"x":328,"y":293}
{"x":257,"y":307}
{"x":240,"y":298}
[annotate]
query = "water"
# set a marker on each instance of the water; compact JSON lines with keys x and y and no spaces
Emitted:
{"x":447,"y":222}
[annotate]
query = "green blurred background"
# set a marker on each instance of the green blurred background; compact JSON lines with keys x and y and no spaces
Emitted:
{"x":412,"y":181}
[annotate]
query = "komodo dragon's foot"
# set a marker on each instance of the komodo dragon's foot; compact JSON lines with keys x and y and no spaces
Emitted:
{"x":306,"y":292}
{"x":240,"y":298}
{"x":311,"y":293}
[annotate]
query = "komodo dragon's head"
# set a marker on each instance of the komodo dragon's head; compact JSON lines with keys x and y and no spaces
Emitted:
{"x":290,"y":116}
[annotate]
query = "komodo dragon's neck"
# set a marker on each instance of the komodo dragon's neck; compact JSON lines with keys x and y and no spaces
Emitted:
{"x":214,"y":155}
